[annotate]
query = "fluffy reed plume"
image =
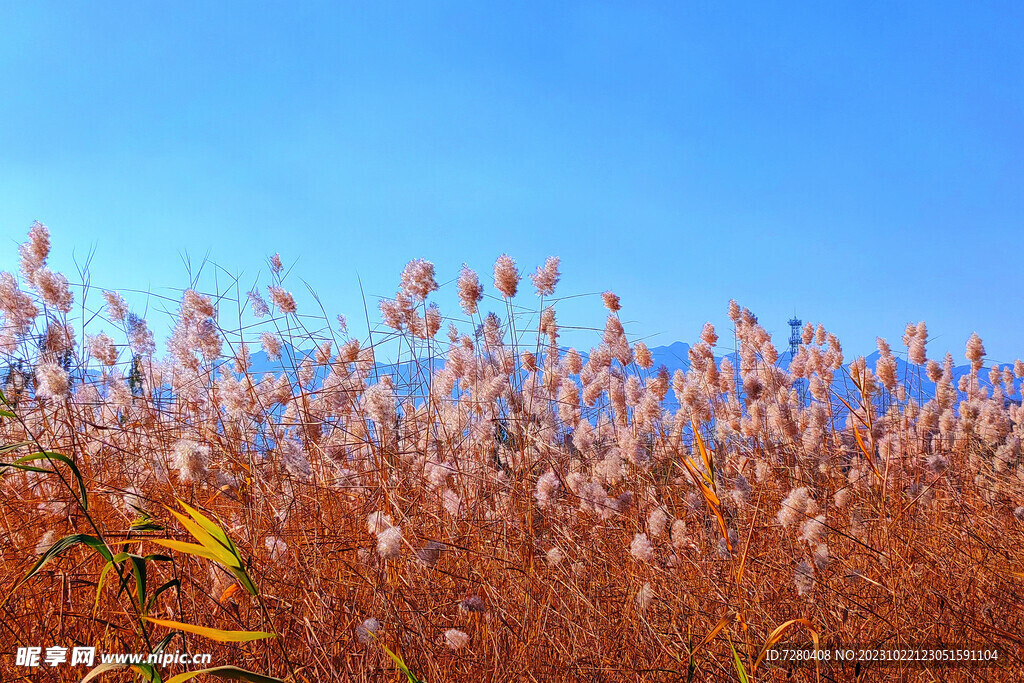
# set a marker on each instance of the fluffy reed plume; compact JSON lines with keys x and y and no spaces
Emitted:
{"x":51,"y":381}
{"x":389,"y":543}
{"x":611,"y":302}
{"x":641,"y":548}
{"x":418,"y":280}
{"x":276,"y":547}
{"x":975,"y":351}
{"x":506,"y":276}
{"x":456,"y":639}
{"x":117,"y":309}
{"x":495,"y":500}
{"x":366,"y":628}
{"x":101,"y":347}
{"x":282,"y":299}
{"x":35,"y":251}
{"x":546,"y":277}
{"x":471,"y":293}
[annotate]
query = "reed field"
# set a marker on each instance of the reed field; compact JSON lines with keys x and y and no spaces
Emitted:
{"x":481,"y":502}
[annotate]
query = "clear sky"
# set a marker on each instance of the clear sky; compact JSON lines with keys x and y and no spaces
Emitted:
{"x":859,"y":163}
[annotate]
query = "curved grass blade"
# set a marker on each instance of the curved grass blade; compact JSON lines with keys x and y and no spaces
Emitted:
{"x":210,"y":527}
{"x":120,"y":557}
{"x":139,"y":569}
{"x":705,"y":455}
{"x":173,"y":583}
{"x":50,"y":456}
{"x":144,"y":522}
{"x":213,"y":633}
{"x":220,"y":552}
{"x":187,"y":548}
{"x":710,"y":497}
{"x":399,"y":662}
{"x":741,"y":670}
{"x":216,"y":542}
{"x":59,"y":547}
{"x":726,"y":620}
{"x":776,"y":635}
{"x":26,"y":468}
{"x":860,"y":441}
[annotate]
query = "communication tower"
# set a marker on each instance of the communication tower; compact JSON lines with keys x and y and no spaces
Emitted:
{"x":794,"y":346}
{"x":794,"y":336}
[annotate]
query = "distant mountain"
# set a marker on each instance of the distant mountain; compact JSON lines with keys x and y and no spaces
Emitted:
{"x":674,"y":357}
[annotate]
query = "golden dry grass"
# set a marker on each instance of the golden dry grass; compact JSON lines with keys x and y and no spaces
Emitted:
{"x":924,"y":549}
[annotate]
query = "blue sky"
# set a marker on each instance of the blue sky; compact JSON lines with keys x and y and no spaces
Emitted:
{"x":859,"y":163}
